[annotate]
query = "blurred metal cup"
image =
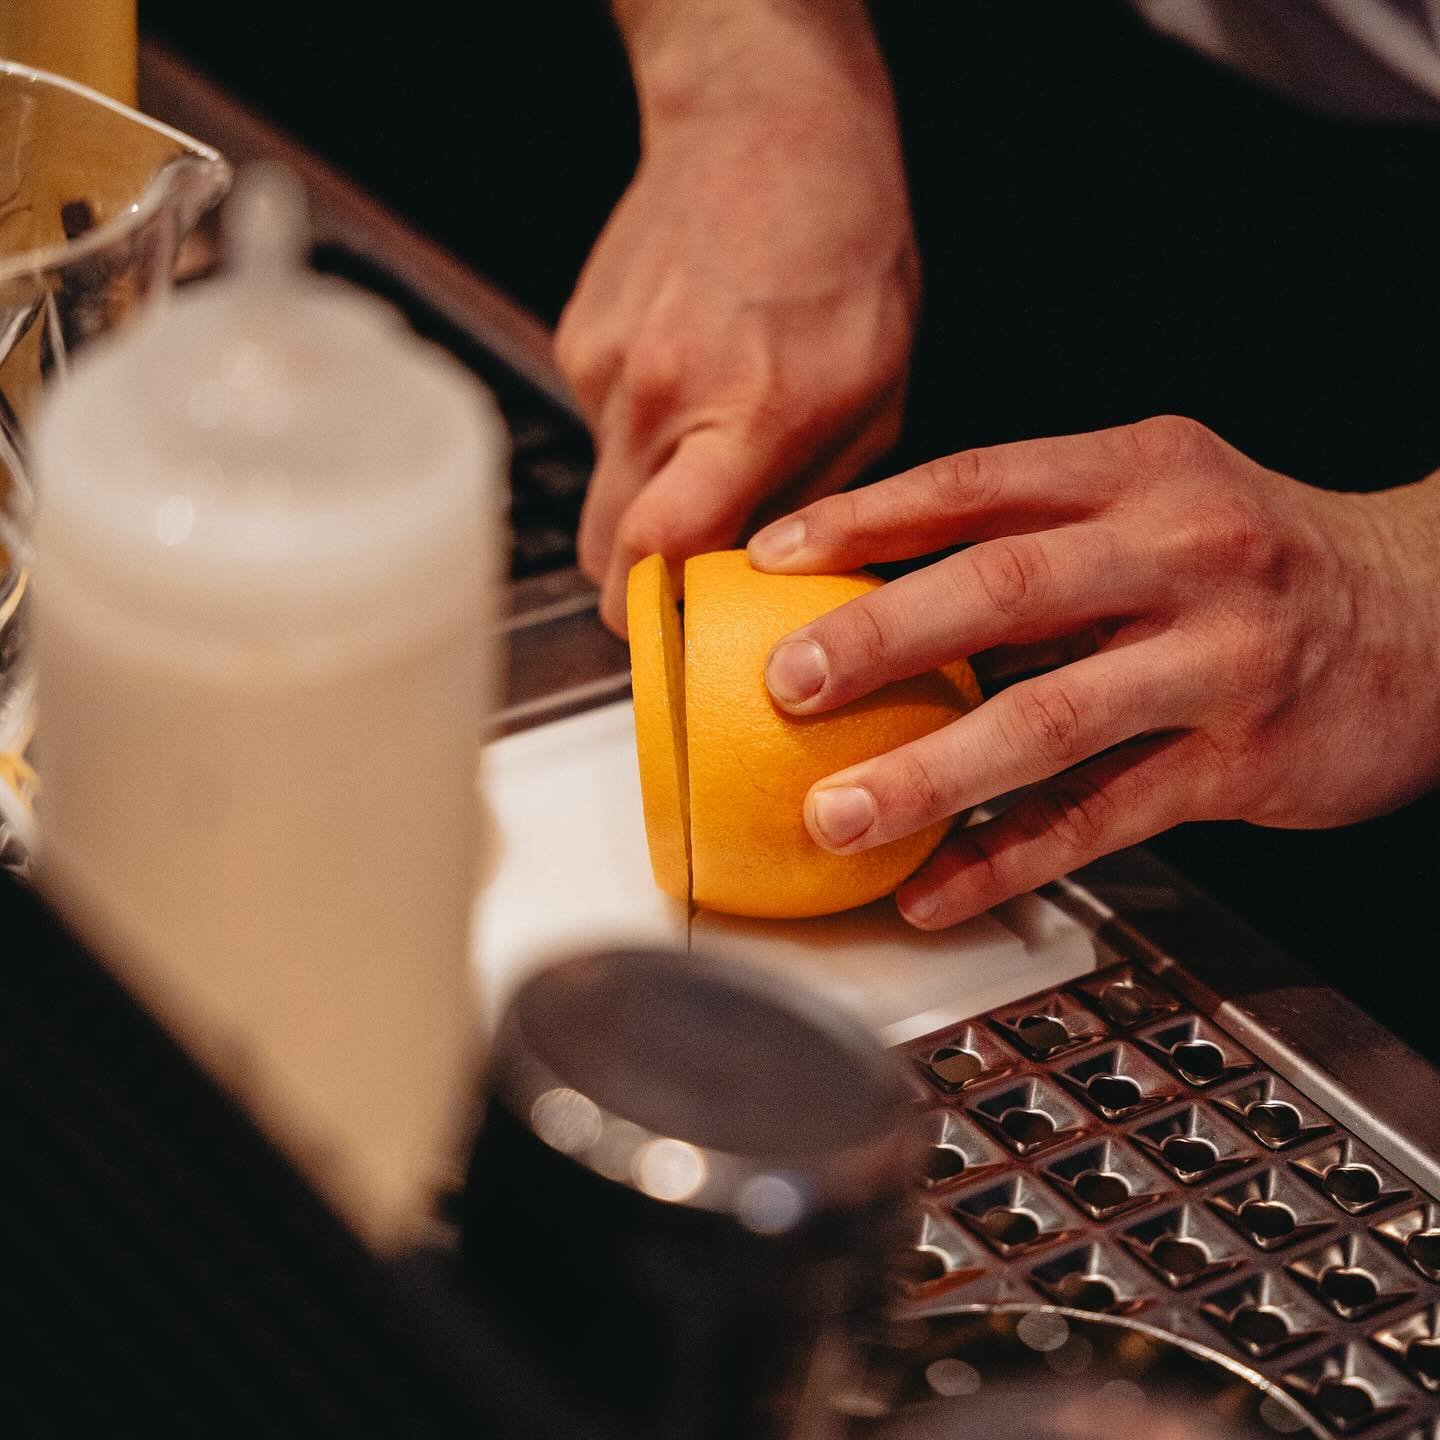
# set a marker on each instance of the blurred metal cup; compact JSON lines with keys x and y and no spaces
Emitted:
{"x":685,"y":1192}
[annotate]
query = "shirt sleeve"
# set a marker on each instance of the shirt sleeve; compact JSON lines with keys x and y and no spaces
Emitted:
{"x":1373,"y":58}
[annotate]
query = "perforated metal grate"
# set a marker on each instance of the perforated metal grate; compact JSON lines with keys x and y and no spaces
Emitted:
{"x":1103,"y":1147}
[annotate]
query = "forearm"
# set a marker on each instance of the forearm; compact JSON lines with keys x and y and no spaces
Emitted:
{"x":694,"y":57}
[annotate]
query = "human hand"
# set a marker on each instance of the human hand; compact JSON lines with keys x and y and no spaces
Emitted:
{"x":742,"y":328}
{"x":1262,"y":651}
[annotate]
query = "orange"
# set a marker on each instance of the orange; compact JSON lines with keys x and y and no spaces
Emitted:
{"x":724,"y":772}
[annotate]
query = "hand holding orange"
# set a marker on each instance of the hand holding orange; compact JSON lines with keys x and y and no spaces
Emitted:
{"x":724,"y":773}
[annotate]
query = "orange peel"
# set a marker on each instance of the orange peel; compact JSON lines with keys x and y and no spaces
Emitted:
{"x":724,"y":772}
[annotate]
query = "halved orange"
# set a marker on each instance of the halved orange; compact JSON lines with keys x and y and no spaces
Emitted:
{"x":724,"y":772}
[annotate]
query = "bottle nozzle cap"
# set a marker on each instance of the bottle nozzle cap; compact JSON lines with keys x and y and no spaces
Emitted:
{"x":267,"y":224}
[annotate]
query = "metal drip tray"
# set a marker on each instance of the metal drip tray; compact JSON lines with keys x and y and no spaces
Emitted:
{"x":1085,"y":1155}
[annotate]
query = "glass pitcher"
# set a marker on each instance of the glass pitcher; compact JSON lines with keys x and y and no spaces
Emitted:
{"x":95,"y":199}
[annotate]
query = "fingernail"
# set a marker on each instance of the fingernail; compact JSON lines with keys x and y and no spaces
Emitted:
{"x":919,"y":910}
{"x":778,"y":542}
{"x":842,"y":813}
{"x":796,"y":671}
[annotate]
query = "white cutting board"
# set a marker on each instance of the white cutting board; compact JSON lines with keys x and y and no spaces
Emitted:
{"x":570,"y":871}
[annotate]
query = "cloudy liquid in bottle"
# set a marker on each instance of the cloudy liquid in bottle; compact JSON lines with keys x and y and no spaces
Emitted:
{"x":263,"y":562}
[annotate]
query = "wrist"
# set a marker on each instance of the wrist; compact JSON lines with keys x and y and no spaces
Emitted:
{"x":698,"y":59}
{"x":1407,"y":522}
{"x":1372,"y":625}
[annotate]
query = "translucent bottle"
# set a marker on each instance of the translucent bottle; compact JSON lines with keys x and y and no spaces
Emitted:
{"x":269,"y":533}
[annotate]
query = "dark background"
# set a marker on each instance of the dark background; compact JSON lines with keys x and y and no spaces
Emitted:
{"x":1111,"y":227}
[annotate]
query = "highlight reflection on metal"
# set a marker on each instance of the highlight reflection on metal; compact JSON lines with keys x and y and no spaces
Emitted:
{"x":1021,"y":1373}
{"x":668,"y":1169}
{"x":771,"y":1204}
{"x":566,"y":1120}
{"x":1216,"y":1203}
{"x":768,"y":1202}
{"x":94,"y":200}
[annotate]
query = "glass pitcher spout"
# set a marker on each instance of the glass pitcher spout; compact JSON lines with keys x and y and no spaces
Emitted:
{"x":190,"y":186}
{"x":90,"y":187}
{"x":95,"y":199}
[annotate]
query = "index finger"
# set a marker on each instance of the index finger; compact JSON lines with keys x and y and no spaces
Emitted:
{"x":1013,"y":591}
{"x":973,"y":495}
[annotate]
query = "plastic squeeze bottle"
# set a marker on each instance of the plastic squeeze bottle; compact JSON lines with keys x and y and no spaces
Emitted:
{"x":268,"y":539}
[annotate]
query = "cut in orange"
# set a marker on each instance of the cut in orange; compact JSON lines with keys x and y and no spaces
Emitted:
{"x":657,"y":671}
{"x":724,"y":772}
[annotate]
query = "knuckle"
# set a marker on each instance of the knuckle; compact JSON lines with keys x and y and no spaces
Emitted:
{"x":917,"y":789}
{"x":846,"y":387}
{"x":1076,"y":814}
{"x":1049,"y":723}
{"x":575,"y":353}
{"x":640,"y":533}
{"x":1012,"y":574}
{"x":1165,"y":441}
{"x":589,"y":374}
{"x":982,"y":854}
{"x":583,"y":368}
{"x":869,"y":639}
{"x":653,"y":371}
{"x":1232,"y":535}
{"x":677,"y":532}
{"x":969,"y":479}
